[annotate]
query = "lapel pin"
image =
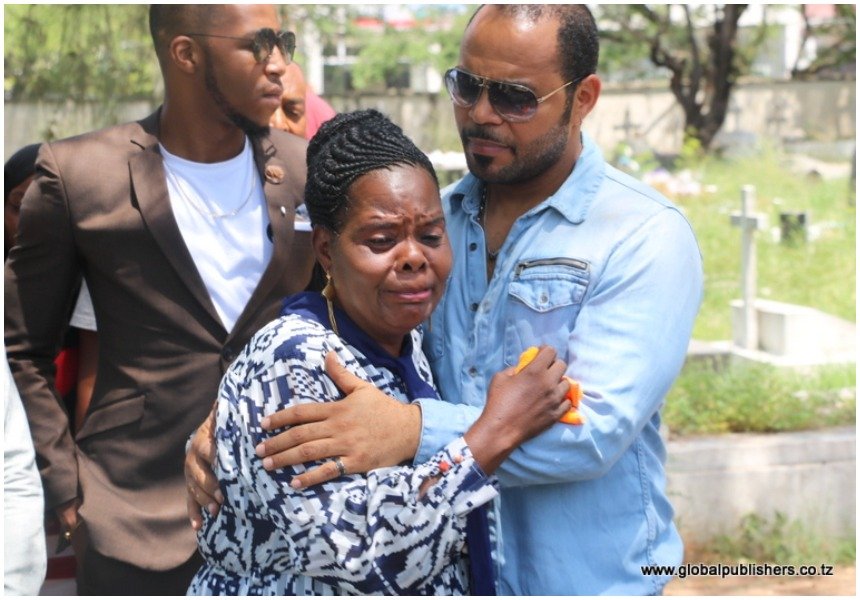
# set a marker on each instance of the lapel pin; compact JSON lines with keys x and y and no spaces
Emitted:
{"x":274,"y":174}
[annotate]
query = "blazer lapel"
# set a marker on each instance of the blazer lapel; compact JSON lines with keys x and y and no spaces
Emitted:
{"x":149,"y":188}
{"x":284,"y":191}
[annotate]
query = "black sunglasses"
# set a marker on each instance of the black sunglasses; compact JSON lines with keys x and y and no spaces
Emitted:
{"x":263,"y":43}
{"x":511,"y":101}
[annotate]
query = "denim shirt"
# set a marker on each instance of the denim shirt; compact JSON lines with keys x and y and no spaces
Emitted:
{"x":608,"y":272}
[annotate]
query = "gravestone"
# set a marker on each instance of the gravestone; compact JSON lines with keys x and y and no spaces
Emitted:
{"x":792,"y":227}
{"x":780,"y":333}
{"x":628,"y":126}
{"x":777,"y":117}
{"x":749,"y":222}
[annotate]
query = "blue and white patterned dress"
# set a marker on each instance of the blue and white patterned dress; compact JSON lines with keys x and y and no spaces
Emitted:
{"x":359,"y":534}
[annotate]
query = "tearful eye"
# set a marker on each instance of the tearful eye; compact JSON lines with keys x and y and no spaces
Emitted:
{"x":380,"y":243}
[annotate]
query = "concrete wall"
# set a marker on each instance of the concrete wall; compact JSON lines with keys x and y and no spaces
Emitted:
{"x":28,"y":122}
{"x":818,"y":111}
{"x":785,"y":110}
{"x":809,"y":476}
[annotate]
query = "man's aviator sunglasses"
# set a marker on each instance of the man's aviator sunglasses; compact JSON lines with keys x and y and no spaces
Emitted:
{"x":511,"y":101}
{"x":263,"y":43}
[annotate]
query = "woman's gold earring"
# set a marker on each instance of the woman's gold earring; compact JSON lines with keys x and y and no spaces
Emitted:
{"x":328,"y":290}
{"x":328,"y":294}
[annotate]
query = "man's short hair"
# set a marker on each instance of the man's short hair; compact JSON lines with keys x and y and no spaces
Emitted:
{"x":166,"y":21}
{"x":578,"y":44}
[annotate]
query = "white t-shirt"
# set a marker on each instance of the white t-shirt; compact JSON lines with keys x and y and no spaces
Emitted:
{"x":84,"y":317}
{"x":221,"y":212}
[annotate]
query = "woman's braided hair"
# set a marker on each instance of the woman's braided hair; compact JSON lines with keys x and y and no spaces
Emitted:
{"x":347,"y":147}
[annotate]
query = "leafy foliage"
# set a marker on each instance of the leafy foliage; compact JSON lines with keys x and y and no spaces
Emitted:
{"x":836,"y":53}
{"x":437,"y":47}
{"x":783,"y":542}
{"x":382,"y":55}
{"x":79,"y":52}
{"x":102,"y":52}
{"x":748,"y":397}
{"x":699,"y":46}
{"x":324,"y":18}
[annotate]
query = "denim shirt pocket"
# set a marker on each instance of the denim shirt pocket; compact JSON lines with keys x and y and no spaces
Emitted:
{"x":544,"y":299}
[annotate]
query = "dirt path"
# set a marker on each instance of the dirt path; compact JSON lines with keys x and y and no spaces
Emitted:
{"x":842,"y":583}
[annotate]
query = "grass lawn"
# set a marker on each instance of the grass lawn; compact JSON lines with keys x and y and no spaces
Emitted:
{"x":820,"y":273}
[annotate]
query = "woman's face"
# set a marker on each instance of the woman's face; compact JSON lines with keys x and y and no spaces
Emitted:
{"x":390,"y":260}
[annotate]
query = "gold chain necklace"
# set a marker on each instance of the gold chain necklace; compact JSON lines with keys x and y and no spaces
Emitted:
{"x":482,"y":208}
{"x":195,"y":204}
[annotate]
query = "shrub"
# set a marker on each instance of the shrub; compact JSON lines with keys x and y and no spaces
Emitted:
{"x":782,"y":542}
{"x":753,"y":397}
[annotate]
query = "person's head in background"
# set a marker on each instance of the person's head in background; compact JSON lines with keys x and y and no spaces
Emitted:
{"x":17,"y":175}
{"x":378,"y":226}
{"x":222,"y":66}
{"x":290,"y":116}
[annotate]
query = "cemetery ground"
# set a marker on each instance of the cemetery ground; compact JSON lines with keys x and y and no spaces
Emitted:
{"x":818,"y":272}
{"x":817,"y":268}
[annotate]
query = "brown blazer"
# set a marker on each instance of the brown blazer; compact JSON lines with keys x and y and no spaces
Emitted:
{"x":99,"y":208}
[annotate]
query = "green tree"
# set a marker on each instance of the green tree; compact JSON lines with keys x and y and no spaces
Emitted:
{"x":103,"y":53}
{"x":88,"y":52}
{"x":699,"y":46}
{"x":836,"y":52}
{"x":427,"y":44}
{"x":383,"y":56}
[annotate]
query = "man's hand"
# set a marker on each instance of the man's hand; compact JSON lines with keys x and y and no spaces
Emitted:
{"x":203,"y":489}
{"x":367,"y":430}
{"x":519,"y":406}
{"x":67,"y":515}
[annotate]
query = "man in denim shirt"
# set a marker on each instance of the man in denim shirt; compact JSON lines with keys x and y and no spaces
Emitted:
{"x":552,"y":247}
{"x":580,"y":257}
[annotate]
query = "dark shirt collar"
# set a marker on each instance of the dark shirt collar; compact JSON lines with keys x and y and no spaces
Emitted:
{"x":312,"y":305}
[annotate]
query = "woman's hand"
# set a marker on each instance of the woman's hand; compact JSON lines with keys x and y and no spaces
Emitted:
{"x":519,"y":406}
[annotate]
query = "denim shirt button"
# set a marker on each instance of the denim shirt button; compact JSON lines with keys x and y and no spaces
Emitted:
{"x":473,"y":371}
{"x":473,"y":246}
{"x":474,"y":306}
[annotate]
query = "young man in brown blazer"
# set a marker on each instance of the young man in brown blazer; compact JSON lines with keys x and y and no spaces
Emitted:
{"x":175,"y":298}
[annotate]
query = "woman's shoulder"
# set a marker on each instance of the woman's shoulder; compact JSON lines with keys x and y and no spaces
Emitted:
{"x":282,"y":364}
{"x":288,"y":337}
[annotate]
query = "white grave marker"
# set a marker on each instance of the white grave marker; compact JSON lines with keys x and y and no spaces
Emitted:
{"x":749,"y":221}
